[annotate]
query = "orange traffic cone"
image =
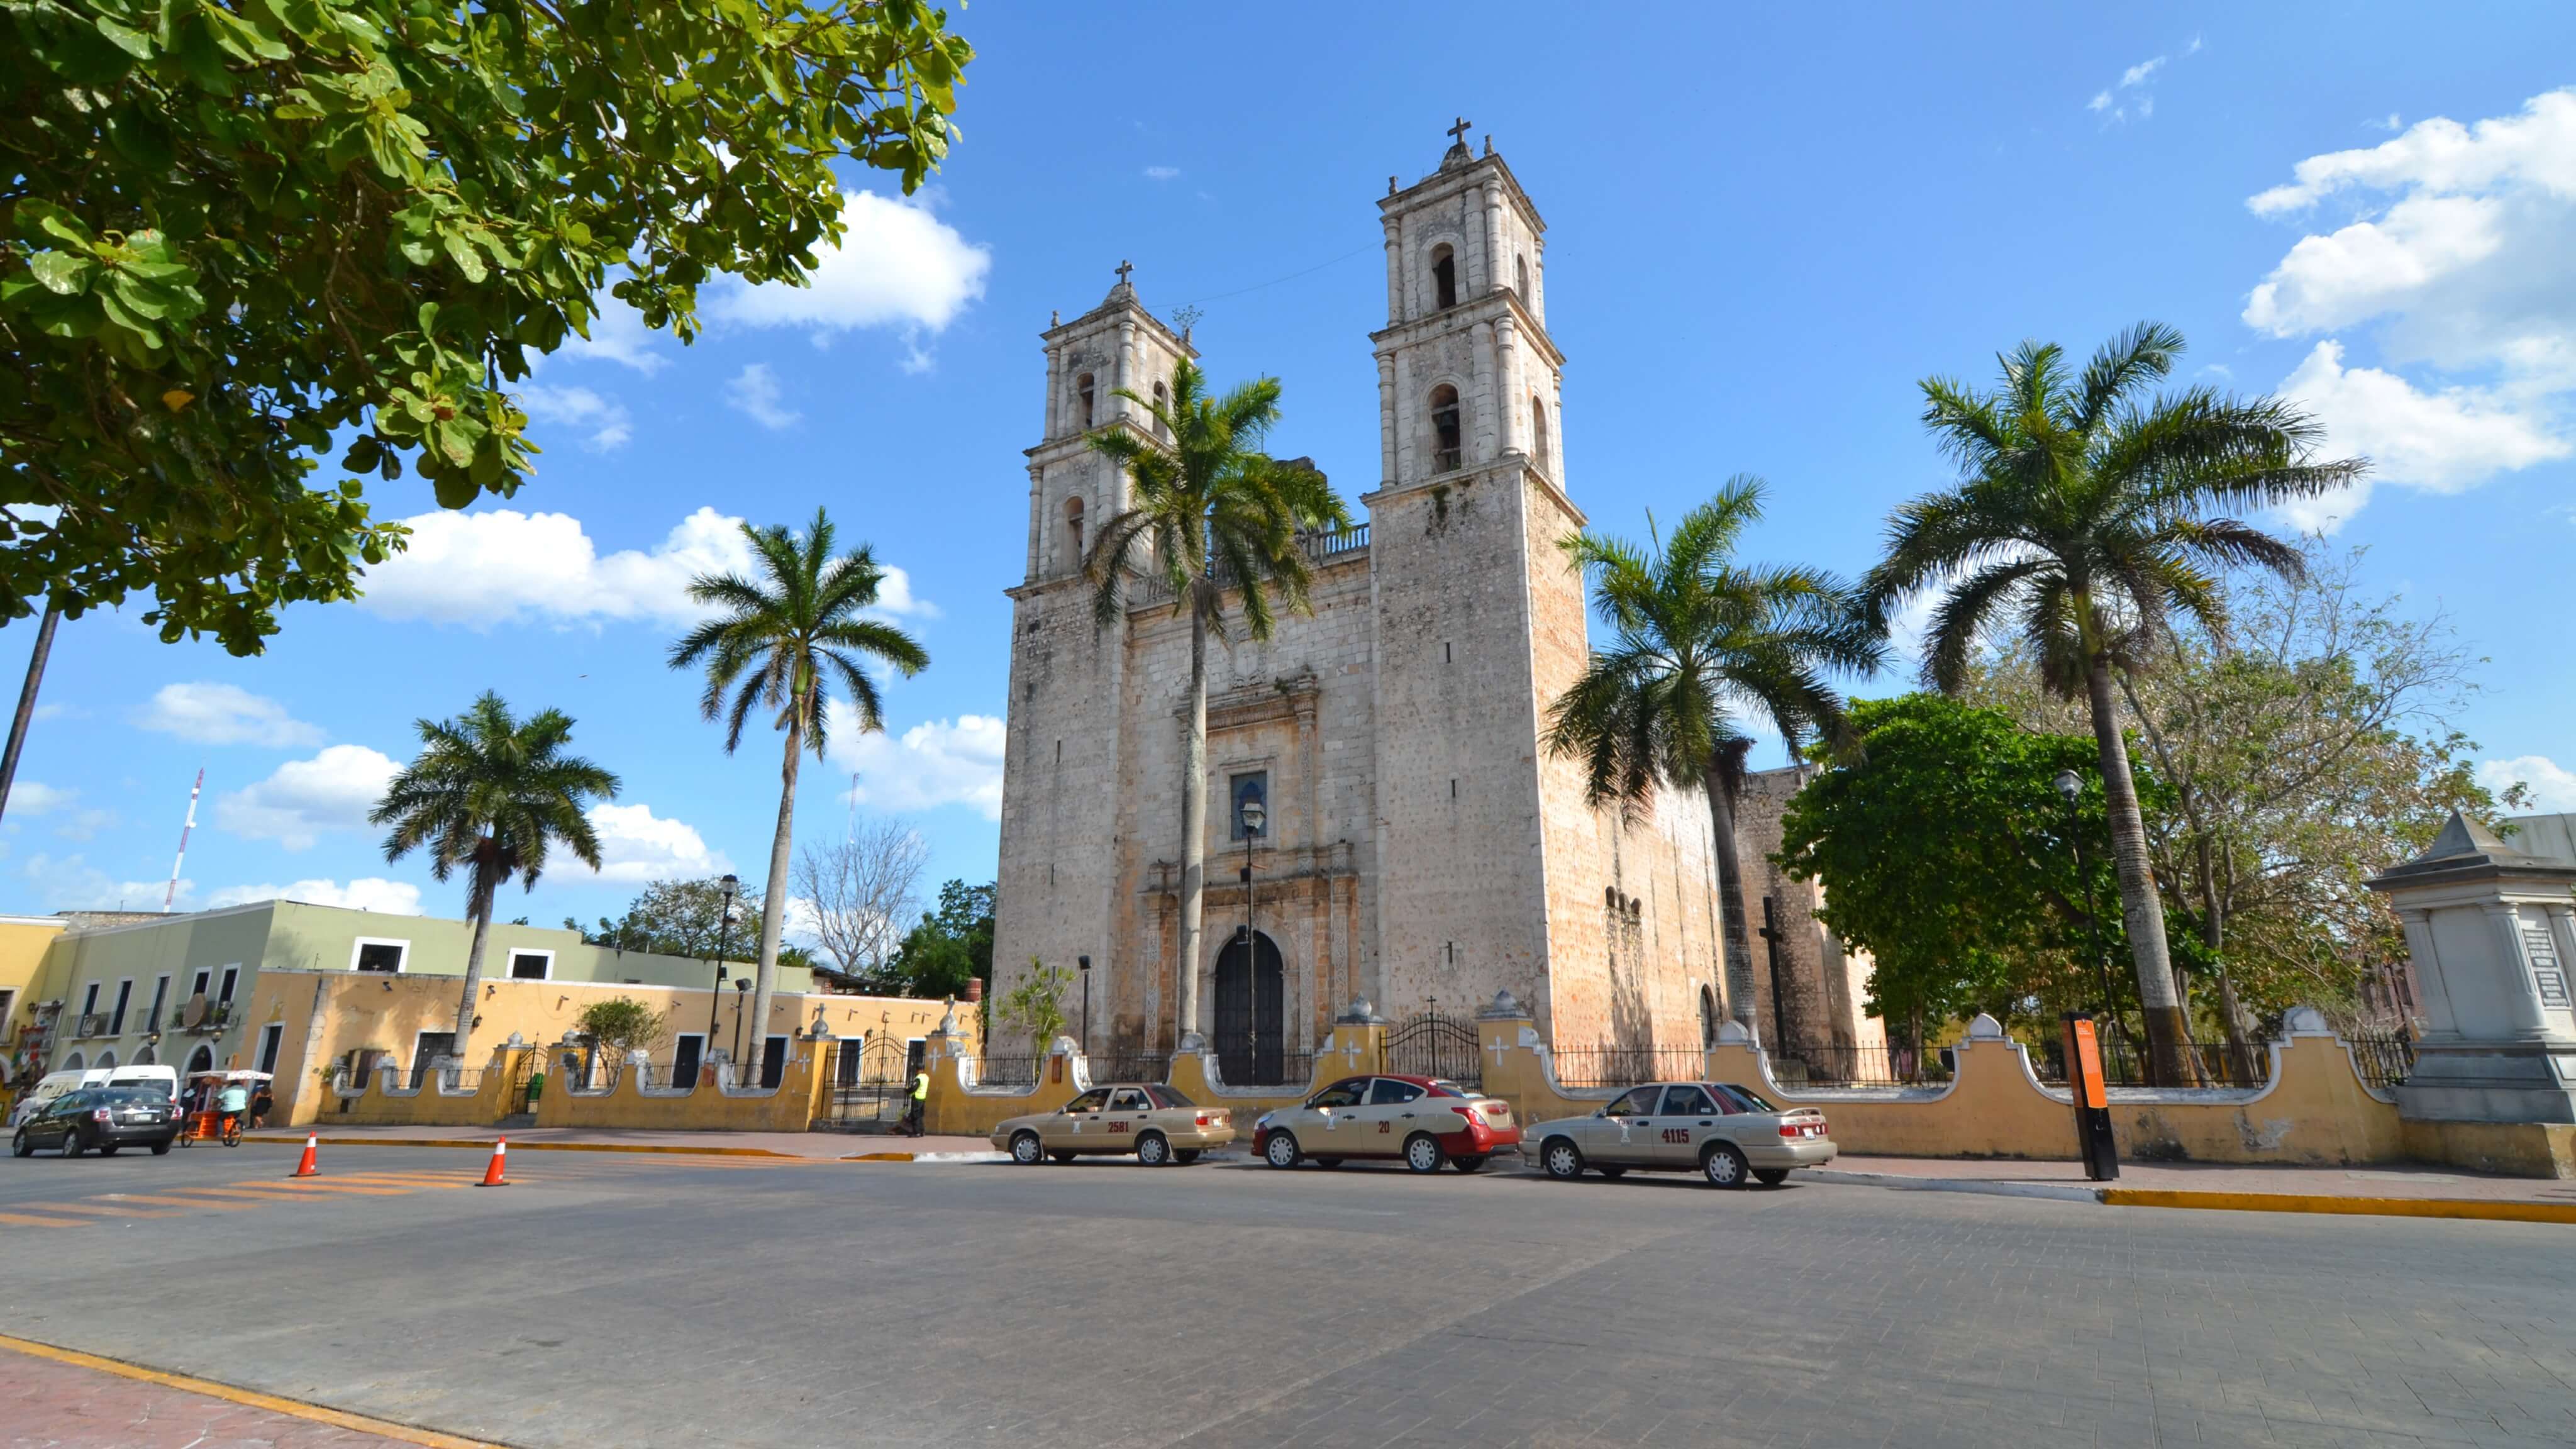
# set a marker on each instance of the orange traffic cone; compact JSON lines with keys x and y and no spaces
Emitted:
{"x":306,"y":1168}
{"x":492,"y":1174}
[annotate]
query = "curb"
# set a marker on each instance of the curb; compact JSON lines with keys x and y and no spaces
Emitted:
{"x":2383,"y":1207}
{"x":248,"y":1398}
{"x":485,"y":1143}
{"x":928,"y":1157}
{"x":2238,"y":1202}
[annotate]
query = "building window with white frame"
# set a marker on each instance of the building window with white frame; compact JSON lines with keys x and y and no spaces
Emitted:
{"x":386,"y":957}
{"x":532,"y":965}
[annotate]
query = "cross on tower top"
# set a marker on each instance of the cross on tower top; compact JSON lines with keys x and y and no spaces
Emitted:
{"x":1458,"y":133}
{"x":1124,"y":267}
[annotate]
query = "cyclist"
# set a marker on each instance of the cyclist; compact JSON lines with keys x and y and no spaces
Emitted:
{"x":230,"y":1104}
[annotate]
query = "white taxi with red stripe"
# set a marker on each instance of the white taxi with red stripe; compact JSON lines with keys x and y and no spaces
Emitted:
{"x":1422,"y":1122}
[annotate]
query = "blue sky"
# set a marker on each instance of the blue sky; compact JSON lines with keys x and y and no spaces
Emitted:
{"x":1763,"y":230}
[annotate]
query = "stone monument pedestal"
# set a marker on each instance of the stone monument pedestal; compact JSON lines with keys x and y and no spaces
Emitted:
{"x":2489,"y":932}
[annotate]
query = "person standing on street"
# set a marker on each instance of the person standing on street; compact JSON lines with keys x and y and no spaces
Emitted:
{"x":913,"y":1114}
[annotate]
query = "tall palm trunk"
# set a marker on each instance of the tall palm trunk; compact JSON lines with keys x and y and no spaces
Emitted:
{"x":486,"y":886}
{"x":1730,"y":892}
{"x":1194,"y":803}
{"x":27,"y":701}
{"x":773,"y":904}
{"x":2139,"y":909}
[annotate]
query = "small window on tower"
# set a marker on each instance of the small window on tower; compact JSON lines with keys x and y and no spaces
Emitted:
{"x":1162,"y":405}
{"x":1082,"y":397}
{"x":1446,"y":453}
{"x":1538,"y":432}
{"x":1073,"y":532}
{"x":1520,"y":276}
{"x":1444,"y":277}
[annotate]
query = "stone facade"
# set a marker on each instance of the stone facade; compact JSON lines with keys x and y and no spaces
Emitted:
{"x":1422,"y":845}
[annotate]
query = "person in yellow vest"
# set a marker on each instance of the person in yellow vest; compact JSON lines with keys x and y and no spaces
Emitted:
{"x":912,"y":1115}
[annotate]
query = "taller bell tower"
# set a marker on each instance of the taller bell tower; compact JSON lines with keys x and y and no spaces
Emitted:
{"x":1480,"y":623}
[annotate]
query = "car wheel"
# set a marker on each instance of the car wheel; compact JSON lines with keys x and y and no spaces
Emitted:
{"x":1770,"y":1176}
{"x":1472,"y":1162}
{"x":71,"y":1144}
{"x":1186,"y":1156}
{"x":1281,"y":1150}
{"x":1026,"y":1150}
{"x":1561,"y":1159}
{"x":1153,"y":1151}
{"x":19,"y":1146}
{"x":161,"y":1149}
{"x":1422,"y":1152}
{"x":1723,"y":1165}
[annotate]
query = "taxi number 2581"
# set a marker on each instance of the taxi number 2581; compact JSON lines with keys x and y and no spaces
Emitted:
{"x":1122,"y":1126}
{"x":1677,"y":1134}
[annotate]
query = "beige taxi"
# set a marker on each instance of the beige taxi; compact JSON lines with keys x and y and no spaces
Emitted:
{"x":1723,"y":1132}
{"x":1157,"y":1124}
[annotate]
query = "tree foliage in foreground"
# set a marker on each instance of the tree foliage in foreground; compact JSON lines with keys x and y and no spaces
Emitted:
{"x":1943,"y":846}
{"x":236,"y":237}
{"x":952,"y":945}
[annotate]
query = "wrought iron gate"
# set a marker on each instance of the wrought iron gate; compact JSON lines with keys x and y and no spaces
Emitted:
{"x":1432,"y":1045}
{"x":871,"y":1083}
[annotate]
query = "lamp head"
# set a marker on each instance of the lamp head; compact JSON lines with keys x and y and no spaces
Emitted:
{"x":2069,"y":785}
{"x":1255,"y":816}
{"x":731,"y":884}
{"x":1082,"y":961}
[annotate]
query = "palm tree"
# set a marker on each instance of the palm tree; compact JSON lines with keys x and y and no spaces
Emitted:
{"x":1209,"y":511}
{"x":781,"y":637}
{"x":491,"y":794}
{"x":1701,"y":643}
{"x":2082,"y":519}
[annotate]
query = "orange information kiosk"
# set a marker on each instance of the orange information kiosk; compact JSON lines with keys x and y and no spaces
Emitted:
{"x":2084,"y":1082}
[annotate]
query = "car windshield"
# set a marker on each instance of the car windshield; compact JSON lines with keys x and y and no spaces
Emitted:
{"x":1443,"y":1087}
{"x":132,"y":1097}
{"x":1744,"y":1099}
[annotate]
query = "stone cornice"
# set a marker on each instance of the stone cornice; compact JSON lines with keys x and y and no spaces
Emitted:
{"x":1467,"y":314}
{"x":1470,"y":177}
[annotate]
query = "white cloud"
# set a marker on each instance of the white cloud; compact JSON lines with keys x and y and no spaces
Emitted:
{"x":71,"y":883}
{"x":934,"y":763}
{"x":87,"y":824}
{"x":2454,"y":253}
{"x":33,"y":797}
{"x":209,"y":713}
{"x":618,"y":335}
{"x":754,"y":393}
{"x":367,"y":893}
{"x":2442,"y":441}
{"x":2109,"y":103}
{"x":2553,"y":786}
{"x":334,"y":790}
{"x":498,"y":567}
{"x":894,"y":596}
{"x":897,"y":266}
{"x":1162,"y":173}
{"x":603,"y":419}
{"x":637,"y":846}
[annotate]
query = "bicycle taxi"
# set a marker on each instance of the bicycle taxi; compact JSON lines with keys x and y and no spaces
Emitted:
{"x":206,"y":1122}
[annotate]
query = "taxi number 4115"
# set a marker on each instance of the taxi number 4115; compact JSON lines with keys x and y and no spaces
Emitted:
{"x":1677,"y":1134}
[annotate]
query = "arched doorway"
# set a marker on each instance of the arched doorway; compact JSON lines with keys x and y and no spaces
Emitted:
{"x":1707,"y":1017}
{"x":1251,"y":1012}
{"x":201,"y":1060}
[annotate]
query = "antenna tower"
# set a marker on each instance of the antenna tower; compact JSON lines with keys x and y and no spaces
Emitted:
{"x":172,"y":894}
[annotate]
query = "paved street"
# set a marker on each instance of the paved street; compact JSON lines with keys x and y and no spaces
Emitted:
{"x":608,"y":1299}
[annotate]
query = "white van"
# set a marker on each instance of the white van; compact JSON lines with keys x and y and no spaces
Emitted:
{"x":54,"y":1084}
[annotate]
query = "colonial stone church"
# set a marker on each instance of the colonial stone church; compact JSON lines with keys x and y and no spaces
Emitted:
{"x":1421,"y":848}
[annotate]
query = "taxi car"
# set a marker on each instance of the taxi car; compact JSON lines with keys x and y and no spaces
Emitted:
{"x":1157,"y":1124}
{"x":105,"y":1118}
{"x":1721,"y":1131}
{"x":1424,"y":1121}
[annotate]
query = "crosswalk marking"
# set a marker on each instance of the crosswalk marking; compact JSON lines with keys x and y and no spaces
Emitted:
{"x":24,"y":1221}
{"x":107,"y":1209}
{"x":316,"y":1186}
{"x":199,"y":1203}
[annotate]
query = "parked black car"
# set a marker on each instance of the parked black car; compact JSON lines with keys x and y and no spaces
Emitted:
{"x":105,"y":1118}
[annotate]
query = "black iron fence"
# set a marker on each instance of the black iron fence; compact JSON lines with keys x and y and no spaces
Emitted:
{"x":1619,"y":1066}
{"x":1432,"y":1045}
{"x":1007,"y":1071}
{"x":1131,"y":1066}
{"x":1270,"y":1069}
{"x":1861,"y":1066}
{"x":2385,"y":1061}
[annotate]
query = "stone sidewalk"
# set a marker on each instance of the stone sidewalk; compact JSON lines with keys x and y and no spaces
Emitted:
{"x":50,"y":1404}
{"x":812,"y":1146}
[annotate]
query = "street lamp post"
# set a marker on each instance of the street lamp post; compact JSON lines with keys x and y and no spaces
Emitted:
{"x":2070,"y":787}
{"x":1085,"y":963}
{"x":1256,"y":816}
{"x":724,"y":948}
